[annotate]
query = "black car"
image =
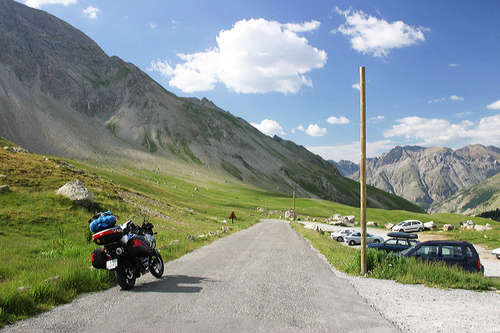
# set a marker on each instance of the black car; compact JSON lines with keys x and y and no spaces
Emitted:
{"x":399,"y":241}
{"x":462,"y":254}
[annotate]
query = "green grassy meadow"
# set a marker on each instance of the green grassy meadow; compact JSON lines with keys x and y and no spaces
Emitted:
{"x":44,"y":247}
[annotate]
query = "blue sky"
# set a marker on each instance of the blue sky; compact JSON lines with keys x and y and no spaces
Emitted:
{"x":290,"y":67}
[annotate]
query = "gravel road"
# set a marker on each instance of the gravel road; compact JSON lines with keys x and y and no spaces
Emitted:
{"x":266,"y":278}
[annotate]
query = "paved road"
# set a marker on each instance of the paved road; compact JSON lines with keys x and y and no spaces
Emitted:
{"x":262,"y":279}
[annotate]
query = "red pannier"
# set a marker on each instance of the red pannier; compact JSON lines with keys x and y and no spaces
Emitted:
{"x":138,"y":246}
{"x":108,"y":236}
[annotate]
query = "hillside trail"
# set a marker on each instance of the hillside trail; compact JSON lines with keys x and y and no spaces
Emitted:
{"x":266,"y":278}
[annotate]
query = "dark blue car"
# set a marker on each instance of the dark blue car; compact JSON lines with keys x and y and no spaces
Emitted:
{"x":399,"y":241}
{"x":462,"y":254}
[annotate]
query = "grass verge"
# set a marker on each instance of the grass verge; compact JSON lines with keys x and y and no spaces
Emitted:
{"x":397,"y":268}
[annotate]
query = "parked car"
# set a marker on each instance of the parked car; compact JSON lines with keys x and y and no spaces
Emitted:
{"x":339,"y":235}
{"x":355,"y":238}
{"x":496,"y":252}
{"x":399,"y":241}
{"x":462,"y":254}
{"x":409,"y":226}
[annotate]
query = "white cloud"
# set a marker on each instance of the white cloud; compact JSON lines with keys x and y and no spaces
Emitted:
{"x":375,"y":119}
{"x":153,"y":25}
{"x":452,"y":65}
{"x":432,"y":131}
{"x":269,"y":127}
{"x":39,"y":3}
{"x":352,"y":151}
{"x":371,"y":35}
{"x":302,"y":27}
{"x":456,"y":98}
{"x":315,"y":130}
{"x":91,"y":12}
{"x":301,"y":128}
{"x":254,"y":56}
{"x":436,"y":100}
{"x":356,"y":86}
{"x":339,"y":121}
{"x":494,"y":105}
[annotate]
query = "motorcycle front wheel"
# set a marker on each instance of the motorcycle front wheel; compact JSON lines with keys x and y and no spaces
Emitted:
{"x":156,"y":266}
{"x":125,"y":277}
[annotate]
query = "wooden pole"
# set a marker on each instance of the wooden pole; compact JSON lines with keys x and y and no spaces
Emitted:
{"x":294,"y":206}
{"x":362,"y":169}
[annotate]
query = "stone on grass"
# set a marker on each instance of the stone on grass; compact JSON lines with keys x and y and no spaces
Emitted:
{"x":77,"y":192}
{"x":190,"y":237}
{"x":4,"y":188}
{"x":389,"y":225}
{"x":448,"y":227}
{"x":371,"y":224}
{"x":350,"y":218}
{"x":3,"y":176}
{"x":430,"y":225}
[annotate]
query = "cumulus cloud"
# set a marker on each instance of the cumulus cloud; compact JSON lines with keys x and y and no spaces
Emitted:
{"x":356,"y":86}
{"x":302,"y":27}
{"x":313,"y":130}
{"x":494,"y":105}
{"x":91,"y":12}
{"x":269,"y":127}
{"x":254,"y":56}
{"x":39,"y":3}
{"x":433,"y":131}
{"x":339,"y":121}
{"x":456,"y":98}
{"x":377,"y":37}
{"x":352,"y":151}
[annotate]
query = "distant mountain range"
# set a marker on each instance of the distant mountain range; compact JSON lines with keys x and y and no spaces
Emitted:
{"x":427,"y":175}
{"x":480,"y":198}
{"x":60,"y":94}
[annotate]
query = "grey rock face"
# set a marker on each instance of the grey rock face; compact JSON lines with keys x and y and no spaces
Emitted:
{"x":77,"y":192}
{"x":428,"y":175}
{"x":60,"y":94}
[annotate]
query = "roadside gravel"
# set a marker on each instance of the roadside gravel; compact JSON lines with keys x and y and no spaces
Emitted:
{"x":416,"y":308}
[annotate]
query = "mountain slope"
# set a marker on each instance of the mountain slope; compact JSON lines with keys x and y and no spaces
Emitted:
{"x":61,"y":94}
{"x":427,"y":175}
{"x":474,"y":200}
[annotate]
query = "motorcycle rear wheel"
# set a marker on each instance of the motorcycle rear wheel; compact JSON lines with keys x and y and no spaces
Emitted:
{"x":156,"y":265}
{"x":125,"y":277}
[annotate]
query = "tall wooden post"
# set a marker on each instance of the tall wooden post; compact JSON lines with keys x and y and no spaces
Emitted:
{"x":294,"y":214}
{"x":362,"y":169}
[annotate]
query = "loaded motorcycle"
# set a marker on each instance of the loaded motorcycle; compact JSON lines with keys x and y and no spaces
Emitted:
{"x":128,"y":250}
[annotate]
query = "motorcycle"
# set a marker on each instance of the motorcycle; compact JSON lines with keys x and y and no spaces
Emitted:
{"x":128,"y":250}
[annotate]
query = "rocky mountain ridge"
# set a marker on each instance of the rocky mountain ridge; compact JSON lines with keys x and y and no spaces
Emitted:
{"x":60,"y":94}
{"x":427,"y":175}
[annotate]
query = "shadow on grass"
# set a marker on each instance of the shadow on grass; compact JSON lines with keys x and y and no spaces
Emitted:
{"x":173,"y":284}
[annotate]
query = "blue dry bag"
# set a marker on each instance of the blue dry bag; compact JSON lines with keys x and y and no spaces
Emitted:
{"x":101,"y":221}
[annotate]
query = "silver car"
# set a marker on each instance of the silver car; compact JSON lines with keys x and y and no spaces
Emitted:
{"x":339,"y":235}
{"x":408,"y":226}
{"x":355,"y":238}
